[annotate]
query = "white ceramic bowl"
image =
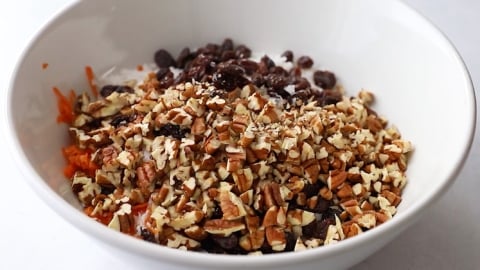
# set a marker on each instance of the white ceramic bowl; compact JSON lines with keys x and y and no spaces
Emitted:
{"x":420,"y":82}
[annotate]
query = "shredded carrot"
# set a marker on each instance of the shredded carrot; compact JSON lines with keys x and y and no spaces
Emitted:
{"x":65,"y":106}
{"x":91,"y":80}
{"x":104,"y":217}
{"x":139,"y":209}
{"x":44,"y":65}
{"x":69,"y":170}
{"x":139,"y":67}
{"x":78,"y":159}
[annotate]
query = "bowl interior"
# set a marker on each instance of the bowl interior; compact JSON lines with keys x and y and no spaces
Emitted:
{"x":419,"y":81}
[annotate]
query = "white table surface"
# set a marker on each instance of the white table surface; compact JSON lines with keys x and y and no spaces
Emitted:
{"x":34,"y":237}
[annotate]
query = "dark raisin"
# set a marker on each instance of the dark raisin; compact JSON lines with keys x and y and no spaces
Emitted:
{"x":279,"y":93}
{"x":229,"y":77}
{"x":291,"y":241}
{"x":120,"y":119}
{"x":226,"y":242}
{"x":166,"y":81}
{"x":317,"y":228}
{"x":212,"y":48}
{"x":258,"y":79}
{"x":267,"y":61}
{"x":107,"y":189}
{"x":94,"y":124}
{"x":206,"y":62}
{"x":327,"y":97}
{"x":279,"y":71}
{"x":276,"y":81}
{"x":211,"y":246}
{"x":227,"y":45}
{"x":305,"y":94}
{"x":322,"y":205}
{"x":311,"y":189}
{"x":324,"y":79}
{"x":219,"y":92}
{"x":162,"y":72}
{"x":302,"y":83}
{"x":184,"y":57}
{"x":108,"y":89}
{"x":288,"y":55}
{"x":181,"y":77}
{"x":249,"y":66}
{"x":243,"y":51}
{"x":217,"y":212}
{"x":172,"y":130}
{"x":266,"y":248}
{"x":305,"y":62}
{"x":164,"y":59}
{"x":295,"y":72}
{"x":147,"y":235}
{"x":196,"y":73}
{"x":227,"y":55}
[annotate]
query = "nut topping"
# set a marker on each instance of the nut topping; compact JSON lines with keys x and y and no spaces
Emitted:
{"x":218,"y":152}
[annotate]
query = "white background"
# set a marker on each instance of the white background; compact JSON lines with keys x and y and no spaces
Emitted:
{"x":34,"y":237}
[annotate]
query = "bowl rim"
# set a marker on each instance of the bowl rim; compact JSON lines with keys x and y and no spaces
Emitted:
{"x":154,"y":251}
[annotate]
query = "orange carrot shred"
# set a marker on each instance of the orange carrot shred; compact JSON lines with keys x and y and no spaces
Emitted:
{"x":139,"y":208}
{"x":65,"y":106}
{"x":139,"y":67}
{"x":44,"y":65}
{"x":104,"y":218}
{"x":91,"y":80}
{"x":78,"y":159}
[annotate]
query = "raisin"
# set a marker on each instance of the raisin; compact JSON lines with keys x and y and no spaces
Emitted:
{"x":172,"y":130}
{"x":267,"y":61}
{"x":210,"y":246}
{"x":212,"y":48}
{"x":196,"y":73}
{"x":258,"y":79}
{"x":108,"y":89}
{"x":217,"y":212}
{"x":227,"y":45}
{"x":181,"y":77}
{"x":301,"y":84}
{"x":288,"y":55}
{"x":327,"y":97}
{"x":205,"y":62}
{"x":162,"y":72}
{"x":227,"y":55}
{"x":266,"y":248}
{"x":311,"y":189}
{"x":276,"y":81}
{"x":304,"y":94}
{"x":291,"y":241}
{"x":279,"y":71}
{"x":305,"y":62}
{"x":120,"y":119}
{"x":317,"y":228}
{"x":295,"y":72}
{"x":164,"y":59}
{"x":226,"y":242}
{"x":166,"y":81}
{"x":184,"y":57}
{"x":243,"y":51}
{"x":279,"y":93}
{"x":107,"y":189}
{"x":324,"y":79}
{"x":219,"y":92}
{"x":147,"y":235}
{"x":249,"y":66}
{"x":322,"y":205}
{"x":229,"y":77}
